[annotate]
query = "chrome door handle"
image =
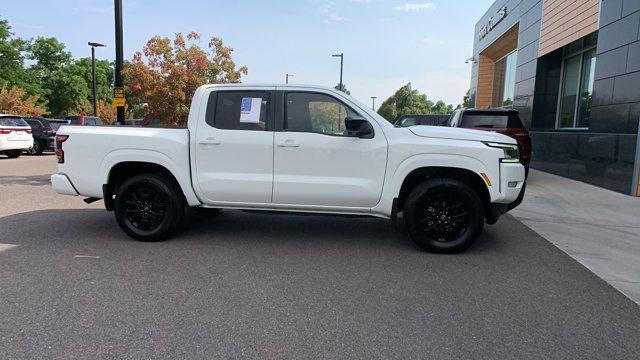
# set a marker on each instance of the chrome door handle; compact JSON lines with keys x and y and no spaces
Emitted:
{"x":210,"y":141}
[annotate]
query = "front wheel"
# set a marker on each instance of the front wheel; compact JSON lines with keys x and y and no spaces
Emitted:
{"x":444,"y":216}
{"x":149,"y":207}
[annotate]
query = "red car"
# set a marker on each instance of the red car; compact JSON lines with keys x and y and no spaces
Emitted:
{"x":81,"y":119}
{"x":506,"y":122}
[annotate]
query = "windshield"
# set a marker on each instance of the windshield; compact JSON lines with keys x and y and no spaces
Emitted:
{"x":12,"y":121}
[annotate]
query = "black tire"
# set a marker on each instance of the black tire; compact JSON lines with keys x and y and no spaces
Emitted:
{"x":13,"y":154}
{"x":149,"y":207}
{"x":36,"y":149}
{"x":444,"y":216}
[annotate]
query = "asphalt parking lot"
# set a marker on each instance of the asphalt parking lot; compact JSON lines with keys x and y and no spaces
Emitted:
{"x":247,"y":285}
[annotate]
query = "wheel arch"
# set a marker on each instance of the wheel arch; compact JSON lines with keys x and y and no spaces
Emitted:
{"x":466,"y":176}
{"x":115,"y":172}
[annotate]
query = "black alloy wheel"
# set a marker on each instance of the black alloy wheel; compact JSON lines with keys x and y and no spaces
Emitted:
{"x":149,"y":207}
{"x":36,"y":149}
{"x":144,"y":208}
{"x":444,"y":215}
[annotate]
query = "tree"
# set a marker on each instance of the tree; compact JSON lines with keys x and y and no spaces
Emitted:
{"x":166,"y":73}
{"x":408,"y":101}
{"x":343,"y":88}
{"x":16,"y":101}
{"x":12,"y":71}
{"x":106,"y":111}
{"x":62,"y":84}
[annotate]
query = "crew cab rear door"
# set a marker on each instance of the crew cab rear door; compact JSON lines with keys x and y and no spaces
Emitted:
{"x":234,"y":148}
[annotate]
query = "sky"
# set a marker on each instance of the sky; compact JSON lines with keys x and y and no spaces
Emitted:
{"x":386,"y":43}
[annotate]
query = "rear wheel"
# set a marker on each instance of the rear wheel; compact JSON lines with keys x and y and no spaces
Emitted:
{"x":36,"y":149}
{"x":444,"y":216}
{"x":149,"y":207}
{"x":13,"y":154}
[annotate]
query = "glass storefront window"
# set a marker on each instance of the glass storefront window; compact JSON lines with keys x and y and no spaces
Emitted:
{"x":588,"y":71}
{"x":504,"y":80}
{"x":577,"y":88}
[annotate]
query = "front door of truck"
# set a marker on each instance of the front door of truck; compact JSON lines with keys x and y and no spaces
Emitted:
{"x":316,"y":163}
{"x":234,"y":148}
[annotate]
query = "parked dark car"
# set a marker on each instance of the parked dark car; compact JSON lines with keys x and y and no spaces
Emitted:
{"x":81,"y":119}
{"x":506,"y":122}
{"x":42,"y":130}
{"x":419,"y":119}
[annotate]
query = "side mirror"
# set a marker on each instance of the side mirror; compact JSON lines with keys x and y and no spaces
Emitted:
{"x":358,"y":127}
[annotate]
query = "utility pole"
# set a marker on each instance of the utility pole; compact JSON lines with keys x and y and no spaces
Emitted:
{"x":287,"y":78}
{"x":341,"y":56}
{"x":94,"y":45}
{"x":119,"y":54}
{"x":373,"y":103}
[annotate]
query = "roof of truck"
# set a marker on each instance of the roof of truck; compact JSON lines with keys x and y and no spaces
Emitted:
{"x":259,"y":85}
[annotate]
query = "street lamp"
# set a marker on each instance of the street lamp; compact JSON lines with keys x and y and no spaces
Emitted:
{"x":341,"y":56}
{"x":287,"y":78}
{"x":94,"y":45}
{"x":373,"y":103}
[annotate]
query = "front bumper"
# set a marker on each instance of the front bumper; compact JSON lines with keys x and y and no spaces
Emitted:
{"x":499,"y":209}
{"x":62,"y":185}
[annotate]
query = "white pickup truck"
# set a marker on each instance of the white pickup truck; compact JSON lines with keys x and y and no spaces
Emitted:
{"x":298,"y":149}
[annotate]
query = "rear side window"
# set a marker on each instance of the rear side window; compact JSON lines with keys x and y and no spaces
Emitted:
{"x":491,"y":121}
{"x":12,"y":121}
{"x":239,"y":110}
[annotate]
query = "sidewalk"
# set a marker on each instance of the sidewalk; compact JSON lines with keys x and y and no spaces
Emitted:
{"x":597,"y":227}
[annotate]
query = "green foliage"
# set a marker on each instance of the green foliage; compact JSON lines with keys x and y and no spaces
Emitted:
{"x":409,"y":101}
{"x":12,"y":70}
{"x":57,"y":80}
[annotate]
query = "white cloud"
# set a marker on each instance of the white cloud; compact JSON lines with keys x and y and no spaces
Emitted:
{"x":334,"y":17}
{"x":415,"y":6}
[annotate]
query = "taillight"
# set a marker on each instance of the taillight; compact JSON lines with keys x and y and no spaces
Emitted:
{"x":29,"y":131}
{"x":5,"y":131}
{"x":59,"y":152}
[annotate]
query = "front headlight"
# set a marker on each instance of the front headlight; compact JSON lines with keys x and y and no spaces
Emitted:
{"x":511,"y":152}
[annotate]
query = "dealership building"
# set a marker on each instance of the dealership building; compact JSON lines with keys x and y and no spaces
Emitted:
{"x":572,"y":70}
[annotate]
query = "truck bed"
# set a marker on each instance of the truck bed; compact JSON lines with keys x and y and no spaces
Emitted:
{"x":91,"y":151}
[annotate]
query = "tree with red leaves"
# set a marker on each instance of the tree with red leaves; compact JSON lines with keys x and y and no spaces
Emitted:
{"x":167,"y":73}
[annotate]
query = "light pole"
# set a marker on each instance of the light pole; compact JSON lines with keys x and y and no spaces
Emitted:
{"x":287,"y":78}
{"x":117,"y":4}
{"x":341,"y":56}
{"x":94,"y":45}
{"x":373,"y":103}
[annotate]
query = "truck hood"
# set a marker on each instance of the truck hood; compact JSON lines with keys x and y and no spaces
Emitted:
{"x":443,"y":132}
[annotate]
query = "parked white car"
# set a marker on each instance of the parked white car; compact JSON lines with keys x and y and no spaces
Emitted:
{"x":15,"y":135}
{"x":293,"y":148}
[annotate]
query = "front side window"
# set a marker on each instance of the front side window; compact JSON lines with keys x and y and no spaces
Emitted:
{"x":318,"y":113}
{"x":240,"y":110}
{"x":577,"y":89}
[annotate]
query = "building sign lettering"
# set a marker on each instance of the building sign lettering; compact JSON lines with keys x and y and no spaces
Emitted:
{"x":493,"y":22}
